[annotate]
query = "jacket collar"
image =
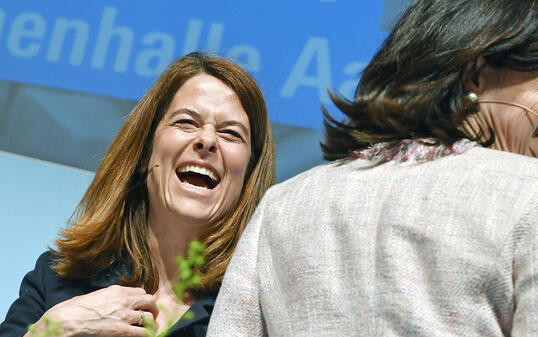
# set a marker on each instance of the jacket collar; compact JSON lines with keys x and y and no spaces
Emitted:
{"x":201,"y":308}
{"x":109,"y":276}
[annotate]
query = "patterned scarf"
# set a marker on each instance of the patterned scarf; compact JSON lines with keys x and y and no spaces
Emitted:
{"x":412,"y":150}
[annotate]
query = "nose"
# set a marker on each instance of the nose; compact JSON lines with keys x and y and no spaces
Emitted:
{"x":206,"y":142}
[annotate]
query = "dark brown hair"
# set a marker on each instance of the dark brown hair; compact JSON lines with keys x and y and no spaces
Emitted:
{"x":413,"y":86}
{"x":110,"y":223}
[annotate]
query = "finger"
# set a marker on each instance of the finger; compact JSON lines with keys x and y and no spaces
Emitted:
{"x":146,"y":303}
{"x":128,"y":290}
{"x":139,"y":317}
{"x":128,"y":331}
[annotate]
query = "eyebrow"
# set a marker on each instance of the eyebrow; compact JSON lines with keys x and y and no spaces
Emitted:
{"x":196,"y":115}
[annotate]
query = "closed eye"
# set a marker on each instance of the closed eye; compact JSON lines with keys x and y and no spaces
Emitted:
{"x":233,"y":133}
{"x":186,"y":123}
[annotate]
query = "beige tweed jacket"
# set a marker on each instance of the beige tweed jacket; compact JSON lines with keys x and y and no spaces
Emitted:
{"x":446,"y":247}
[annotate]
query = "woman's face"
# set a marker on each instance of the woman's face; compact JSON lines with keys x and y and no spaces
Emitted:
{"x":202,"y":149}
{"x":516,"y":129}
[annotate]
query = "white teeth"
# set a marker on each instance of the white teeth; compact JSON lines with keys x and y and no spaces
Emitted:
{"x":194,"y":187}
{"x":199,"y":170}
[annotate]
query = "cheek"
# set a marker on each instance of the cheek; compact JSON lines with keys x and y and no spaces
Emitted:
{"x":168,"y":147}
{"x":160,"y":148}
{"x":238,"y":162}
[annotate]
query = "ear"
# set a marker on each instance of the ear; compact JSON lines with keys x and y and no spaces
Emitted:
{"x":474,"y":77}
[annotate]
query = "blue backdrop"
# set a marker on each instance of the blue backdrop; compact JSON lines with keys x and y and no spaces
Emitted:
{"x":297,"y":50}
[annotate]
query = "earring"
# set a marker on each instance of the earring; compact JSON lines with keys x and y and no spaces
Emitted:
{"x":472,"y":97}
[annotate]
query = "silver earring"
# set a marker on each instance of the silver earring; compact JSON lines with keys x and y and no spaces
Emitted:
{"x":473,"y":97}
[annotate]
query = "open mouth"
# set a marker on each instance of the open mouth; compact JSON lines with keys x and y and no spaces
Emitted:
{"x":198,"y":177}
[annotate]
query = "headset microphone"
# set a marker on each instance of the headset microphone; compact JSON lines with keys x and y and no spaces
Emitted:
{"x":474,"y":98}
{"x":151,"y":169}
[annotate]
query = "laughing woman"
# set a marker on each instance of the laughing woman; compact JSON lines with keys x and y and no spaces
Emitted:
{"x":192,"y":161}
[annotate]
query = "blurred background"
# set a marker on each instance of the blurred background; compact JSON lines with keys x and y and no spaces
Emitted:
{"x":71,"y":71}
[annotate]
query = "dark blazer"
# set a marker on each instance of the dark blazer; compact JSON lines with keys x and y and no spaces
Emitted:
{"x":42,"y":288}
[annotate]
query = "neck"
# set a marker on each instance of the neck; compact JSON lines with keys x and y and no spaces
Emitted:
{"x":502,"y":124}
{"x":529,"y":110}
{"x":167,"y":241}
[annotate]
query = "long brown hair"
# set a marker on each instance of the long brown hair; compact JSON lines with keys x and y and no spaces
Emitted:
{"x":413,"y":86}
{"x":110,"y":223}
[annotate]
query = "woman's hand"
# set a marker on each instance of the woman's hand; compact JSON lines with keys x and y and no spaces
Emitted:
{"x":112,"y":311}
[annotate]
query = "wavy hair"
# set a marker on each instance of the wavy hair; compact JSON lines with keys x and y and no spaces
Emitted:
{"x":413,"y":87}
{"x":110,"y":224}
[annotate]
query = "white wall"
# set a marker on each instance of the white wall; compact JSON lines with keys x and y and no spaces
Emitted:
{"x":36,"y":199}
